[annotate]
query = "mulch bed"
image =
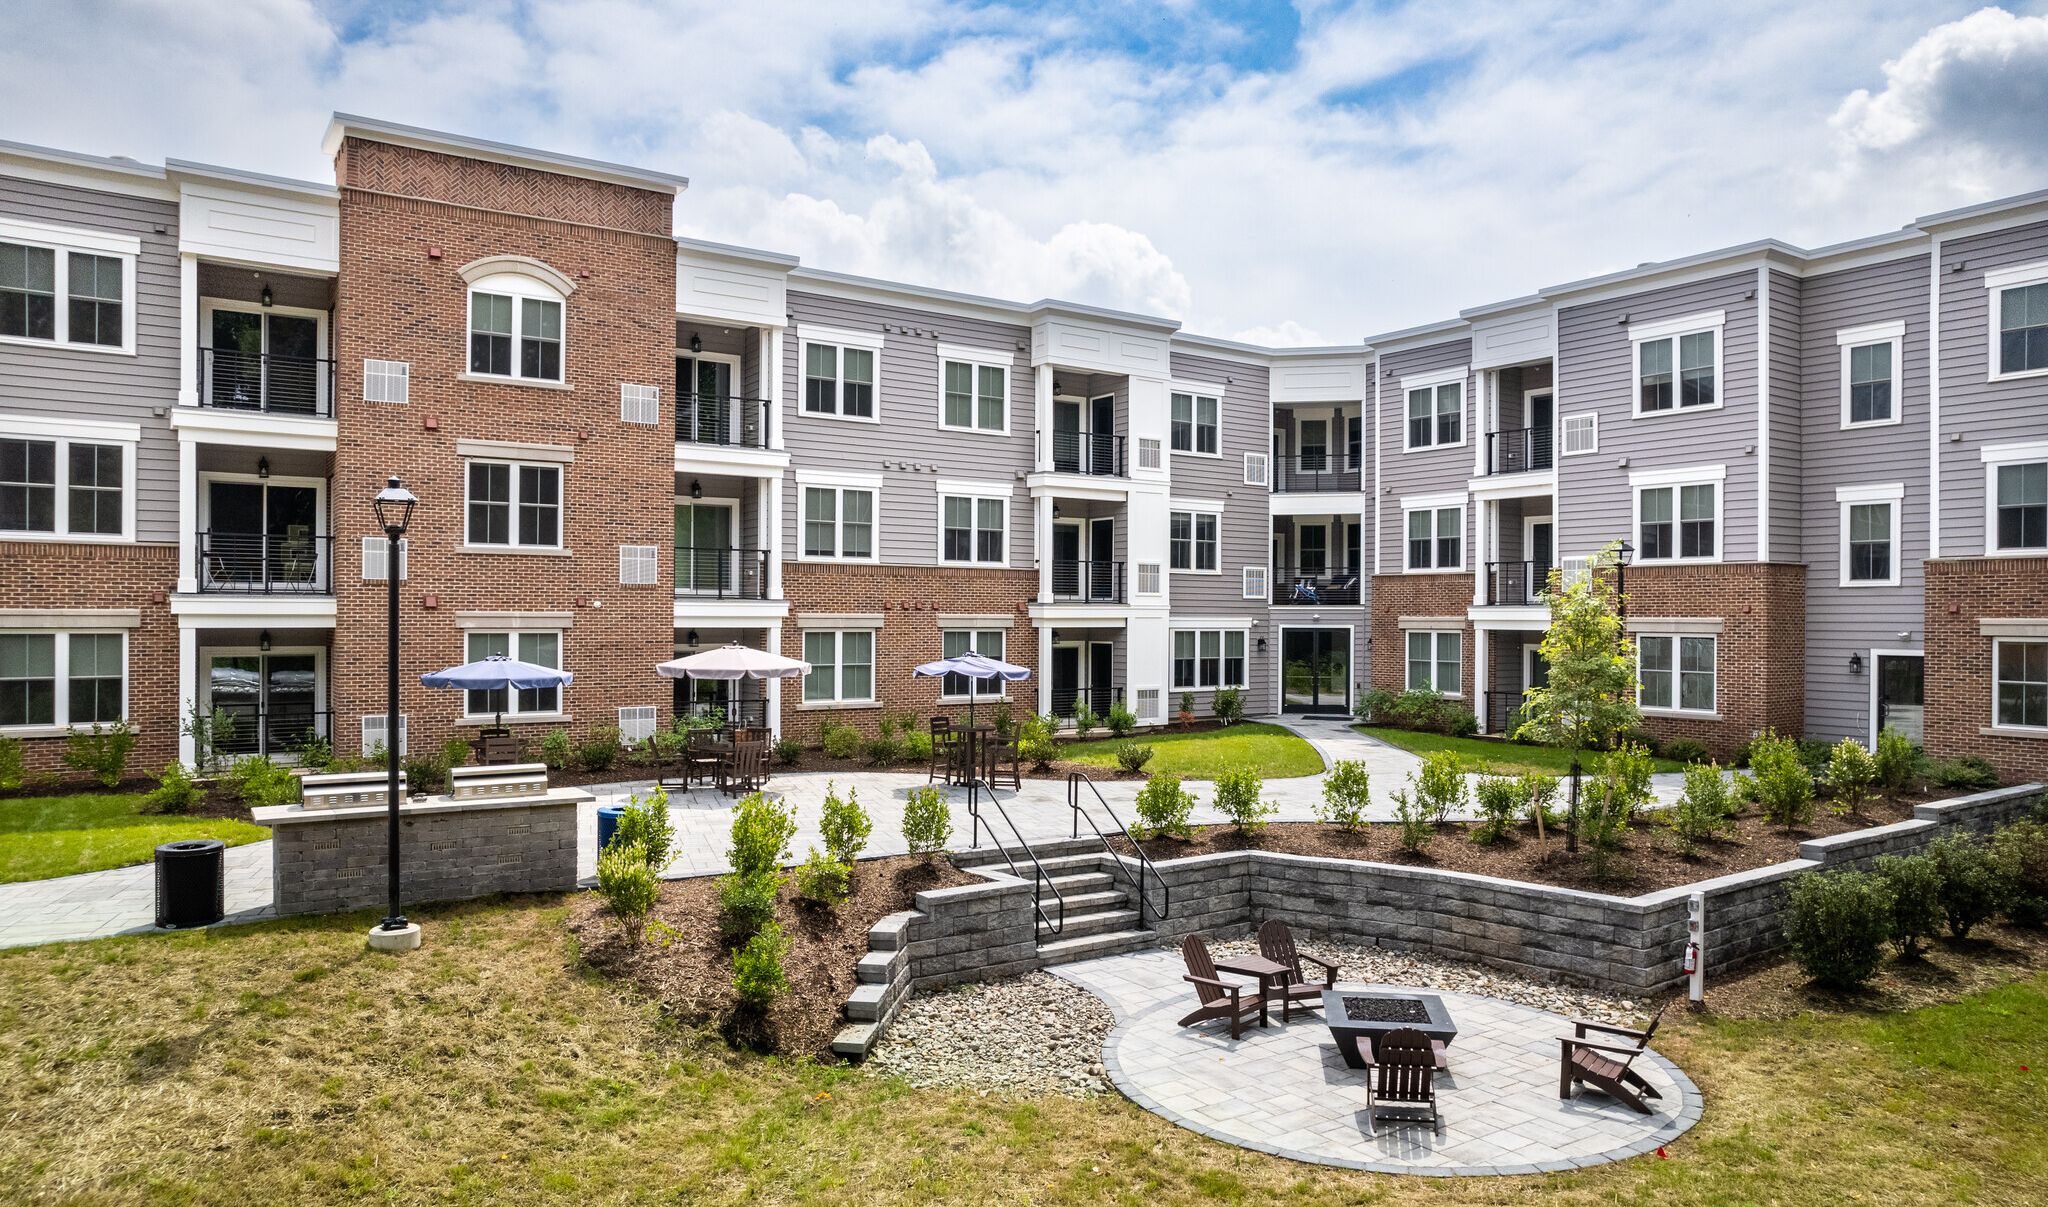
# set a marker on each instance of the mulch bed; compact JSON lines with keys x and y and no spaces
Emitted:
{"x":1946,"y":970}
{"x":1646,"y":862}
{"x":689,"y":969}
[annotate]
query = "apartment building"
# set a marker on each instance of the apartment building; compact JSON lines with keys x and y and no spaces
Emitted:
{"x":1830,"y":468}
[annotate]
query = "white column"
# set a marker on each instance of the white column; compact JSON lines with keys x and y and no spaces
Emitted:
{"x":774,"y":686}
{"x":188,"y":331}
{"x":1479,"y":669}
{"x":1043,"y":422}
{"x":1041,"y":540}
{"x":1475,"y":557}
{"x":771,"y":378}
{"x":771,"y":518}
{"x":1044,"y":675}
{"x":188,"y":691}
{"x":188,"y":515}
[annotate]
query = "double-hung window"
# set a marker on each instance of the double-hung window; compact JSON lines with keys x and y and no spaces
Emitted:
{"x":2016,"y":483}
{"x":839,"y":372}
{"x":1436,"y":414}
{"x":539,"y":648}
{"x":1195,"y":423}
{"x":2019,"y":320}
{"x":1436,"y":536}
{"x":515,"y":505}
{"x":973,"y":528}
{"x":839,"y":523}
{"x":1870,"y":373}
{"x":1193,"y":542}
{"x":1208,"y":658}
{"x":52,"y":679}
{"x":66,"y":479}
{"x":974,"y":390}
{"x":516,"y":336}
{"x":73,"y":288}
{"x":2020,"y":684}
{"x":1678,"y":363}
{"x":842,"y":666}
{"x":1436,"y":661}
{"x":986,"y":642}
{"x":1870,"y":533}
{"x":1678,"y":520}
{"x":1676,"y":673}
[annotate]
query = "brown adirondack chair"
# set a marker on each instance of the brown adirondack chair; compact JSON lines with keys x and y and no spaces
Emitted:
{"x":1605,"y":1066}
{"x":1402,"y":1079}
{"x":1276,"y":943}
{"x":1219,"y":998}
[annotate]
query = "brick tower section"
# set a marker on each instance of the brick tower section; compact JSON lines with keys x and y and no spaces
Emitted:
{"x":1397,"y":595}
{"x":1760,"y":658}
{"x":1962,"y":593}
{"x":410,"y":220}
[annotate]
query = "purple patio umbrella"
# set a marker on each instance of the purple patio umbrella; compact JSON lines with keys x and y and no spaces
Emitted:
{"x":974,"y":666}
{"x":497,"y":672}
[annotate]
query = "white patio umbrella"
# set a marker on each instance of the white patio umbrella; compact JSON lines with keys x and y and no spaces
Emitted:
{"x":734,"y":661}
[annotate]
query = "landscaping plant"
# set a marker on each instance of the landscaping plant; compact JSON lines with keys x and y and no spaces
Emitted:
{"x":1973,"y":885}
{"x":1185,"y":714}
{"x":1460,"y":721}
{"x":557,"y":749}
{"x":746,"y":904}
{"x":915,"y":746}
{"x":646,"y":824}
{"x":455,"y":752}
{"x":1915,"y":885}
{"x":1005,"y":721}
{"x":1620,"y":785}
{"x":174,"y":792}
{"x":882,"y":748}
{"x":927,"y":823}
{"x":823,"y":880}
{"x":424,"y":774}
{"x":1416,"y":818}
{"x":315,"y":753}
{"x":1784,"y":785}
{"x":1120,"y":721}
{"x":1702,"y":810}
{"x":840,"y":741}
{"x":1851,"y":774}
{"x":210,"y":732}
{"x":1500,"y":799}
{"x":1685,"y":750}
{"x":629,"y":887}
{"x":1229,"y":705}
{"x":1898,"y":761}
{"x":845,"y":826}
{"x":1163,"y":807}
{"x":757,"y":976}
{"x":1239,"y":797}
{"x":11,"y":764}
{"x":788,"y":751}
{"x":2021,"y":854}
{"x":761,"y":829}
{"x":1132,"y":756}
{"x":1590,"y":694}
{"x":1968,"y":772}
{"x":1539,"y":792}
{"x":600,"y":750}
{"x":1838,"y":924}
{"x":1084,"y":720}
{"x":1035,"y":743}
{"x":1376,"y":706}
{"x":257,"y":782}
{"x":103,"y":753}
{"x":1440,"y":785}
{"x":1346,"y":795}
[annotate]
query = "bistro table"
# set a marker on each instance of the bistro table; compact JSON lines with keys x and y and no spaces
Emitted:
{"x":1270,"y":974}
{"x":968,"y":743}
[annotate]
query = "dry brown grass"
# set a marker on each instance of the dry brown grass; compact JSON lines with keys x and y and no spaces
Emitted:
{"x":283,"y":1063}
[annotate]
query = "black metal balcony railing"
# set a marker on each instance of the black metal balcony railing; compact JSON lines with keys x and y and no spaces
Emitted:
{"x":747,"y":712}
{"x":1087,"y":582}
{"x":1315,"y":585}
{"x":1307,"y":473}
{"x":251,"y":381}
{"x":723,"y":571}
{"x":280,"y":729}
{"x":255,"y":562}
{"x":1098,"y":453}
{"x":1517,"y":582}
{"x":1502,"y":710}
{"x":1518,"y":450}
{"x":1066,"y":701}
{"x":723,"y":419}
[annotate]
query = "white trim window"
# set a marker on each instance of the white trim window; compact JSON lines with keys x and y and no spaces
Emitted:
{"x":540,"y":647}
{"x":1678,"y":515}
{"x":1870,"y":374}
{"x":839,"y":374}
{"x":1254,"y":582}
{"x":51,"y":681}
{"x":67,"y":288}
{"x":513,"y":504}
{"x":974,"y":390}
{"x":1207,"y":659}
{"x":2019,"y":684}
{"x":1436,"y":661}
{"x":986,"y":642}
{"x":1436,"y":415}
{"x":1678,"y":364}
{"x":1870,"y":534}
{"x":1435,"y":537}
{"x":973,"y":529}
{"x":515,"y":329}
{"x":1675,"y":673}
{"x":1196,"y":423}
{"x":2017,"y":500}
{"x":67,"y":480}
{"x":842,"y":666}
{"x":1194,"y":541}
{"x":839,"y":523}
{"x":1581,"y":433}
{"x":2019,"y":321}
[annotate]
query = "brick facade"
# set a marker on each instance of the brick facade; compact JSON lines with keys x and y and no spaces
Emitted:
{"x":1397,"y":595}
{"x":1761,"y":652}
{"x":1960,"y":593}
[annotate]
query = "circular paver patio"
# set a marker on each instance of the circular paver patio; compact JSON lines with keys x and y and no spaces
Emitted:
{"x":1285,"y":1090}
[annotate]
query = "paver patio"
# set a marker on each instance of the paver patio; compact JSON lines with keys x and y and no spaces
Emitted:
{"x":1285,"y":1090}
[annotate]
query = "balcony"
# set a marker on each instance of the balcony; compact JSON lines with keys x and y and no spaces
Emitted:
{"x":1314,"y":585}
{"x":722,"y":419}
{"x":721,"y":572}
{"x":277,"y":731}
{"x":233,"y":380}
{"x":255,"y":563}
{"x":1309,"y":473}
{"x":1517,"y":584}
{"x":1519,"y":450}
{"x":1066,"y":701}
{"x":1100,"y":454}
{"x":1087,"y":582}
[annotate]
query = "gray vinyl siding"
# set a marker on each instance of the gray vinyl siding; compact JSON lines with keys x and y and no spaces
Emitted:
{"x":1981,"y":411}
{"x":1787,"y":318}
{"x":1425,"y":471}
{"x":1596,"y":372}
{"x":908,"y":447}
{"x":1845,"y":620}
{"x":1515,"y":384}
{"x":61,"y":383}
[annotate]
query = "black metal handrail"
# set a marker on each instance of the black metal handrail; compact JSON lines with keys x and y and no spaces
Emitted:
{"x":265,"y":564}
{"x":1517,"y":582}
{"x":1501,"y":709}
{"x":252,"y":729}
{"x":1086,"y":452}
{"x":1315,"y":586}
{"x":1040,"y":882}
{"x":1518,"y":450}
{"x":722,"y":571}
{"x":725,"y":419}
{"x":1066,"y":701}
{"x":234,"y":380}
{"x":1087,"y":582}
{"x":1074,"y":781}
{"x":1309,"y":472}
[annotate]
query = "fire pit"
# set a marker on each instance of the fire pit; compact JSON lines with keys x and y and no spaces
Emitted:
{"x":1354,"y":1014}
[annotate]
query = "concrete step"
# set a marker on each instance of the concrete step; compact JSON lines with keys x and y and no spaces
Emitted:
{"x":1087,"y":903}
{"x":855,"y":1040}
{"x":876,"y":967}
{"x":866,"y":1003}
{"x":892,"y":932}
{"x":1081,"y":882}
{"x":1096,"y":923}
{"x":1067,"y":950}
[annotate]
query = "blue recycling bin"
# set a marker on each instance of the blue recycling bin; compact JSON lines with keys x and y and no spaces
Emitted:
{"x":608,"y":824}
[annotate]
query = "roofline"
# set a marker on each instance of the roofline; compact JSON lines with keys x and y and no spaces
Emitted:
{"x":286,"y":184}
{"x":1029,"y":312}
{"x":79,"y":159}
{"x":732,"y":251}
{"x":1436,"y":332}
{"x":1982,"y":209}
{"x":1269,"y":351}
{"x":378,"y":130}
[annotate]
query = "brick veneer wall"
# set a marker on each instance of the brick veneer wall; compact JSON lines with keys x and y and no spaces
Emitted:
{"x":396,"y":299}
{"x":910,"y":600}
{"x":44,"y":575}
{"x":1760,"y":657}
{"x":1398,"y":595}
{"x":1959,"y":593}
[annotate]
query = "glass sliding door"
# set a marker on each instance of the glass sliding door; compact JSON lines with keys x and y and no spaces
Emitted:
{"x":704,"y":551}
{"x":1315,"y":669}
{"x":270,"y":702}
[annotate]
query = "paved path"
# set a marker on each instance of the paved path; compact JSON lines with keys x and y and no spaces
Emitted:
{"x":94,"y":905}
{"x":1285,"y":1090}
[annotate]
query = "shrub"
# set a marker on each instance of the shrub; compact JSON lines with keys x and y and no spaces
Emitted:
{"x":629,"y":887}
{"x":257,"y":782}
{"x":746,"y":903}
{"x":823,"y":880}
{"x":1915,"y":885}
{"x":1239,"y":797}
{"x":11,"y":764}
{"x":1420,"y":709}
{"x":757,"y":975}
{"x":1440,"y":785}
{"x":1005,"y":721}
{"x":1347,"y":792}
{"x":557,"y":749}
{"x":926,"y":822}
{"x":761,"y":829}
{"x":209,"y":731}
{"x":1540,"y":792}
{"x":174,"y":792}
{"x":1163,"y":807}
{"x":315,"y":753}
{"x":1132,"y":756}
{"x":1640,"y":737}
{"x":1376,"y":706}
{"x":1851,"y":774}
{"x":1499,"y":802}
{"x":1229,"y":705}
{"x":1035,"y":743}
{"x":845,"y":826}
{"x":646,"y":824}
{"x":1186,"y":711}
{"x":841,"y":741}
{"x":1418,"y":823}
{"x":1084,"y":720}
{"x":1838,"y":925}
{"x":788,"y":751}
{"x":1898,"y":761}
{"x":1813,"y":754}
{"x":1967,"y":772}
{"x":1784,"y":786}
{"x":455,"y":752}
{"x":2021,"y":854}
{"x":425,"y":774}
{"x":1460,"y":721}
{"x":103,"y":753}
{"x":1702,"y":809}
{"x":1120,"y":720}
{"x":600,"y":750}
{"x":1685,"y":750}
{"x":916,"y":746}
{"x":1972,"y":887}
{"x":881,"y":749}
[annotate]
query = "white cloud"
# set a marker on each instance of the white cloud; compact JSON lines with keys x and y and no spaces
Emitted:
{"x":1983,"y":78}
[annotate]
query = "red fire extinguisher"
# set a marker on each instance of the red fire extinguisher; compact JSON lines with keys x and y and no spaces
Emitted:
{"x":1692,"y":958}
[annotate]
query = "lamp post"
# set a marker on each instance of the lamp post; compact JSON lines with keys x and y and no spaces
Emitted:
{"x":393,"y":506}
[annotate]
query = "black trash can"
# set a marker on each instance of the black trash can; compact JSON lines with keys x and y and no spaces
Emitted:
{"x":191,"y":882}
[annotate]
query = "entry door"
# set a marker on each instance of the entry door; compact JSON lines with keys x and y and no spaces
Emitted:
{"x":1538,"y":546}
{"x":1102,"y":435}
{"x":272,"y":700}
{"x":261,"y":535}
{"x":1102,"y":559}
{"x":1535,"y":667}
{"x":704,"y":400}
{"x":1066,"y":678}
{"x":1066,"y":435}
{"x":1901,"y":699}
{"x":703,"y":548}
{"x":1541,"y":419}
{"x":1101,"y":676}
{"x":291,"y":373}
{"x":1066,"y":559}
{"x":1315,"y":670}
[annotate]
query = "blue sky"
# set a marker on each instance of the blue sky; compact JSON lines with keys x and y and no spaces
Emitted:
{"x":1295,"y":174}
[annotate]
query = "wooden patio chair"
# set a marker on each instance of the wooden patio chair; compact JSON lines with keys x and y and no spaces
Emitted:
{"x":1401,"y":1079}
{"x":942,"y":749}
{"x":745,"y":769}
{"x":1002,"y":763}
{"x":1276,"y":943}
{"x":1219,"y":998}
{"x":1605,"y":1066}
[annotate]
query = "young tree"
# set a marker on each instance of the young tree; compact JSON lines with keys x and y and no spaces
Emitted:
{"x":1591,"y":695}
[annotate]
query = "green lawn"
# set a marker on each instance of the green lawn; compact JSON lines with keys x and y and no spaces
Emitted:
{"x":44,"y":836}
{"x":1487,"y":756}
{"x":1275,"y":752}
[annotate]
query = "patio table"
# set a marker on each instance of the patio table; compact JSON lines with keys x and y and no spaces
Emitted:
{"x":1270,"y":974}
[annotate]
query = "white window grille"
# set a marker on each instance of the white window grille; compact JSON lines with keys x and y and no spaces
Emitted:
{"x":636,"y":724}
{"x":387,"y":381}
{"x":1148,"y":452}
{"x":639,"y":404}
{"x":375,"y":559}
{"x":1255,"y":582}
{"x":1148,"y":704}
{"x":637,"y":564}
{"x":1256,"y":466}
{"x":1582,"y":433}
{"x":1148,"y":578}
